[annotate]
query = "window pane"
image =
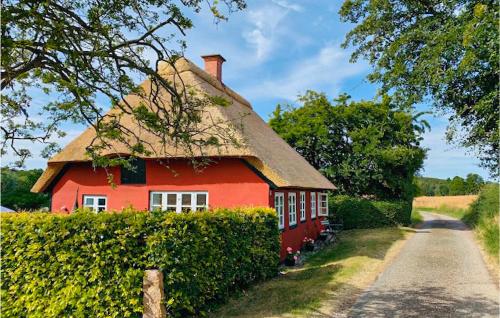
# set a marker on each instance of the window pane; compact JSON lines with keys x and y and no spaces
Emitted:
{"x":171,"y":208}
{"x":171,"y":199}
{"x":99,"y":209}
{"x":186,"y":199}
{"x":89,"y":201}
{"x":156,"y":199}
{"x":101,"y":201}
{"x":201,"y":199}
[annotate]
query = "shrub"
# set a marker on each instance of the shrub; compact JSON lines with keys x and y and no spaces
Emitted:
{"x":359,"y":213}
{"x":483,"y":216}
{"x":89,"y":264}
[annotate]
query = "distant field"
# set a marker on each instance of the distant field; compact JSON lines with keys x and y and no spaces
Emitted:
{"x":458,"y":201}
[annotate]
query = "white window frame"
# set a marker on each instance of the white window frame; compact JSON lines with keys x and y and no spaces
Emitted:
{"x":292,"y":209}
{"x":95,"y":206}
{"x":279,"y":206}
{"x":323,"y":204}
{"x":193,"y":206}
{"x":313,"y":205}
{"x":302,"y":206}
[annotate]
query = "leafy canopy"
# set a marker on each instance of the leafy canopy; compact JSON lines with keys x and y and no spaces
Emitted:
{"x":16,"y":185}
{"x":364,"y":148}
{"x":83,"y":54}
{"x":443,"y":50}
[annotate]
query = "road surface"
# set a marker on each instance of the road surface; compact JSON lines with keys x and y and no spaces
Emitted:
{"x":439,"y":273}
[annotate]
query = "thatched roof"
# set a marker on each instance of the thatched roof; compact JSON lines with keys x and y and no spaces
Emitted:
{"x":261,"y":147}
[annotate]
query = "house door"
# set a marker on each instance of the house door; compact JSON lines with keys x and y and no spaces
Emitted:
{"x":179,"y":201}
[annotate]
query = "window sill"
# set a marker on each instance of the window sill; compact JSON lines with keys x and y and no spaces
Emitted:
{"x":291,"y":227}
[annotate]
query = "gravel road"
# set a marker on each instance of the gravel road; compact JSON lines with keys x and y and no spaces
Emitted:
{"x":439,"y":273}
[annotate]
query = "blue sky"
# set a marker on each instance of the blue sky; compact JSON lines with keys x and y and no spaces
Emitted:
{"x":275,"y":50}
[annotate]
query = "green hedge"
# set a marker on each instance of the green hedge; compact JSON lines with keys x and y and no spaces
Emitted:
{"x":358,"y":213}
{"x":88,"y":264}
{"x":484,"y":216}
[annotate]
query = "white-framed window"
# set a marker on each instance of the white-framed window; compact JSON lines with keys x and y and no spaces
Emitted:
{"x":292,"y":209}
{"x":313,"y":205}
{"x":96,"y":203}
{"x":279,"y":205}
{"x":178,"y":201}
{"x":323,"y":204}
{"x":302,"y":206}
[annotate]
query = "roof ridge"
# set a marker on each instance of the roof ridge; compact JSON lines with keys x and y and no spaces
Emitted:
{"x":184,"y":65}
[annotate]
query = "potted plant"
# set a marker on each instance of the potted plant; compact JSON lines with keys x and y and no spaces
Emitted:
{"x":291,"y":258}
{"x":308,"y":244}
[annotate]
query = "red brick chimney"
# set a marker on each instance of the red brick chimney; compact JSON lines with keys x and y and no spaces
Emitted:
{"x":213,"y":65}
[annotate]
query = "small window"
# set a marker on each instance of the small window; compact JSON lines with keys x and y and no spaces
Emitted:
{"x":179,"y":201}
{"x":292,"y":209}
{"x":323,"y":204}
{"x":313,"y":205}
{"x":302,"y":206}
{"x":96,"y":203}
{"x":279,"y":205}
{"x":136,"y":174}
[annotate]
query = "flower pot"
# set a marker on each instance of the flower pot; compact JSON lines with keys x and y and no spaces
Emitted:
{"x":289,"y":262}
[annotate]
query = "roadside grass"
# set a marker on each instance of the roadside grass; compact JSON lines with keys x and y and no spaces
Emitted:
{"x":457,"y":213}
{"x":416,"y":217}
{"x":328,"y":282}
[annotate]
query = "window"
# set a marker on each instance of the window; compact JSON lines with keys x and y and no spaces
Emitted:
{"x":302,"y":206}
{"x":136,"y":174}
{"x":279,"y":205}
{"x":179,"y":201}
{"x":313,"y":205}
{"x":323,"y":204}
{"x":292,"y":209}
{"x":96,"y":203}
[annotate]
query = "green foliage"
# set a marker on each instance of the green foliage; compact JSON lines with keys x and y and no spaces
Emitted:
{"x":364,"y":148}
{"x":484,"y":217}
{"x":89,"y":264}
{"x":445,"y":50}
{"x":359,"y":213}
{"x":16,"y":185}
{"x":456,"y":186}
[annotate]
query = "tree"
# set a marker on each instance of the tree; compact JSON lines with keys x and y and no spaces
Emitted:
{"x":364,"y":148}
{"x":84,"y":54}
{"x":446,"y":50}
{"x":15,"y":189}
{"x":473,"y":183}
{"x":458,"y":186}
{"x":444,"y":189}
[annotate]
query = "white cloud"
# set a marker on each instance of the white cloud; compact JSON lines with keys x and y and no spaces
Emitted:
{"x":288,"y":5}
{"x":324,"y":71}
{"x":265,"y":29}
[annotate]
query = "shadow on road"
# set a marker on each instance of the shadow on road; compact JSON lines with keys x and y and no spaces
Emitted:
{"x":423,"y":302}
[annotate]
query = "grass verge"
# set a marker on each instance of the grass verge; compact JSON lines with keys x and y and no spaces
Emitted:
{"x":329,"y":281}
{"x":457,"y":213}
{"x":416,"y":218}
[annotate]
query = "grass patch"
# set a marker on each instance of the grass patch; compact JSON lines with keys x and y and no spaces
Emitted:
{"x":457,"y":213}
{"x":416,"y":217}
{"x":328,"y":279}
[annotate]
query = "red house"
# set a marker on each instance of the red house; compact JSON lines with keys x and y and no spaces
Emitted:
{"x":264,"y":171}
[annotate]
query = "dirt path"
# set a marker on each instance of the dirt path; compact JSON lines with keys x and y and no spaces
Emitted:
{"x":439,"y":273}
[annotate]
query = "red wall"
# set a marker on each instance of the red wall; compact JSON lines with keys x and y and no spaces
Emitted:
{"x":229,"y":183}
{"x":293,"y":237}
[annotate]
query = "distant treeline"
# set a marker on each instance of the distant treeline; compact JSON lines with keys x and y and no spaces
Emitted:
{"x":16,"y":185}
{"x":456,"y":186}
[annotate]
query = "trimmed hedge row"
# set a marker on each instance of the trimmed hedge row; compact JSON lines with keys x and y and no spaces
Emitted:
{"x":359,"y":213}
{"x":88,"y":264}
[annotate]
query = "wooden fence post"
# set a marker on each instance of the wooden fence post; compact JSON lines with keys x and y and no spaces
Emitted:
{"x":153,"y":294}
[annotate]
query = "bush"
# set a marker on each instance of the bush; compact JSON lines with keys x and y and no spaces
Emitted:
{"x":88,"y":264}
{"x":358,"y":213}
{"x":483,"y":216}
